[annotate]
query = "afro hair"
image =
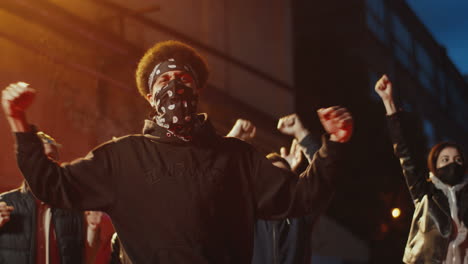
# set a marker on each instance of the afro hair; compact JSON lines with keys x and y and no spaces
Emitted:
{"x":163,"y":51}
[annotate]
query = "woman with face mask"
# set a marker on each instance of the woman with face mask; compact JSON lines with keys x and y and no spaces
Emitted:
{"x":439,"y":227}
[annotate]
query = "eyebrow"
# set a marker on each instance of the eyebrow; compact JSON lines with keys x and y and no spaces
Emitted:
{"x":161,"y":77}
{"x":182,"y":73}
{"x":446,"y":156}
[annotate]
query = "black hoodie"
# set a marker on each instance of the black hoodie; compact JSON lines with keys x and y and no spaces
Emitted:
{"x":180,"y":202}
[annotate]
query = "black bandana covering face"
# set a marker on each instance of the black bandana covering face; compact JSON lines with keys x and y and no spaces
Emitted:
{"x":176,"y":106}
{"x":175,"y":103}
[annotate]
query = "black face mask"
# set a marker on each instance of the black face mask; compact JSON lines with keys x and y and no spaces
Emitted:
{"x":451,"y":174}
{"x":176,"y":106}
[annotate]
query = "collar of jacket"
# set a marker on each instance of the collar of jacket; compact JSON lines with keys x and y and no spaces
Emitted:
{"x":203,"y":131}
{"x":444,"y":187}
{"x":450,"y":193}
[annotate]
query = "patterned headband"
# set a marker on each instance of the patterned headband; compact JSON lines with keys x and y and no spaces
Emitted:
{"x":170,"y":65}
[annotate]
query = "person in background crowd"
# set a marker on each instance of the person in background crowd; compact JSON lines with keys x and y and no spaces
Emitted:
{"x":33,"y":232}
{"x":288,"y":240}
{"x":98,"y":235}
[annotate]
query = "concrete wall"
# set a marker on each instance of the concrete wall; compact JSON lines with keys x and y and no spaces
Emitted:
{"x":69,"y":100}
{"x":258,"y":33}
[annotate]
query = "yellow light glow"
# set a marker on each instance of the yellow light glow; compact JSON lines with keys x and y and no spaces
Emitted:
{"x":396,"y":212}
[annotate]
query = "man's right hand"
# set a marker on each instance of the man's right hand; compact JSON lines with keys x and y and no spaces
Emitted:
{"x":291,"y":125}
{"x":16,"y":98}
{"x":5,"y":211}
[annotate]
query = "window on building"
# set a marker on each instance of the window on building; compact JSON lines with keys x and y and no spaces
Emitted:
{"x":403,"y":43}
{"x":404,"y":58}
{"x":377,"y":8}
{"x":452,"y":95}
{"x":401,"y":33}
{"x":375,"y":19}
{"x":429,"y":131}
{"x":442,"y":83}
{"x":426,"y":68}
{"x":457,"y":103}
{"x":426,"y":81}
{"x":423,"y":59}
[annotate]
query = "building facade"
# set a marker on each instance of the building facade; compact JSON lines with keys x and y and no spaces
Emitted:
{"x":268,"y":58}
{"x":341,"y":49}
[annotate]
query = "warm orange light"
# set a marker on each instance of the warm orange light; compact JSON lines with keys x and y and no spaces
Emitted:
{"x":396,"y":212}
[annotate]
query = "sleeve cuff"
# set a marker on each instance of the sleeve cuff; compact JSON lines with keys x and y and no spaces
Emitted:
{"x":333,"y":149}
{"x":310,"y":145}
{"x":394,"y":126}
{"x":26,"y":140}
{"x":394,"y":116}
{"x":309,"y":142}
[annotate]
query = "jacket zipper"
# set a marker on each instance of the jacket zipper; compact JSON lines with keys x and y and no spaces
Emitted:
{"x":275,"y":250}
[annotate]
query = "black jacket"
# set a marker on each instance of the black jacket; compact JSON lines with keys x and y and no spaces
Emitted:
{"x":18,"y":236}
{"x":179,"y":202}
{"x":431,"y":227}
{"x":289,"y":241}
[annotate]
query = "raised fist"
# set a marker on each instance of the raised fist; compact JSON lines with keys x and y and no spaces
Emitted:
{"x":243,"y":130}
{"x":291,"y":125}
{"x":337,"y":122}
{"x":5,"y":211}
{"x":383,"y":87}
{"x":16,"y":98}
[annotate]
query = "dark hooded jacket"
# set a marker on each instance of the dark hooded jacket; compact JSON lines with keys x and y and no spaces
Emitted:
{"x":180,"y":202}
